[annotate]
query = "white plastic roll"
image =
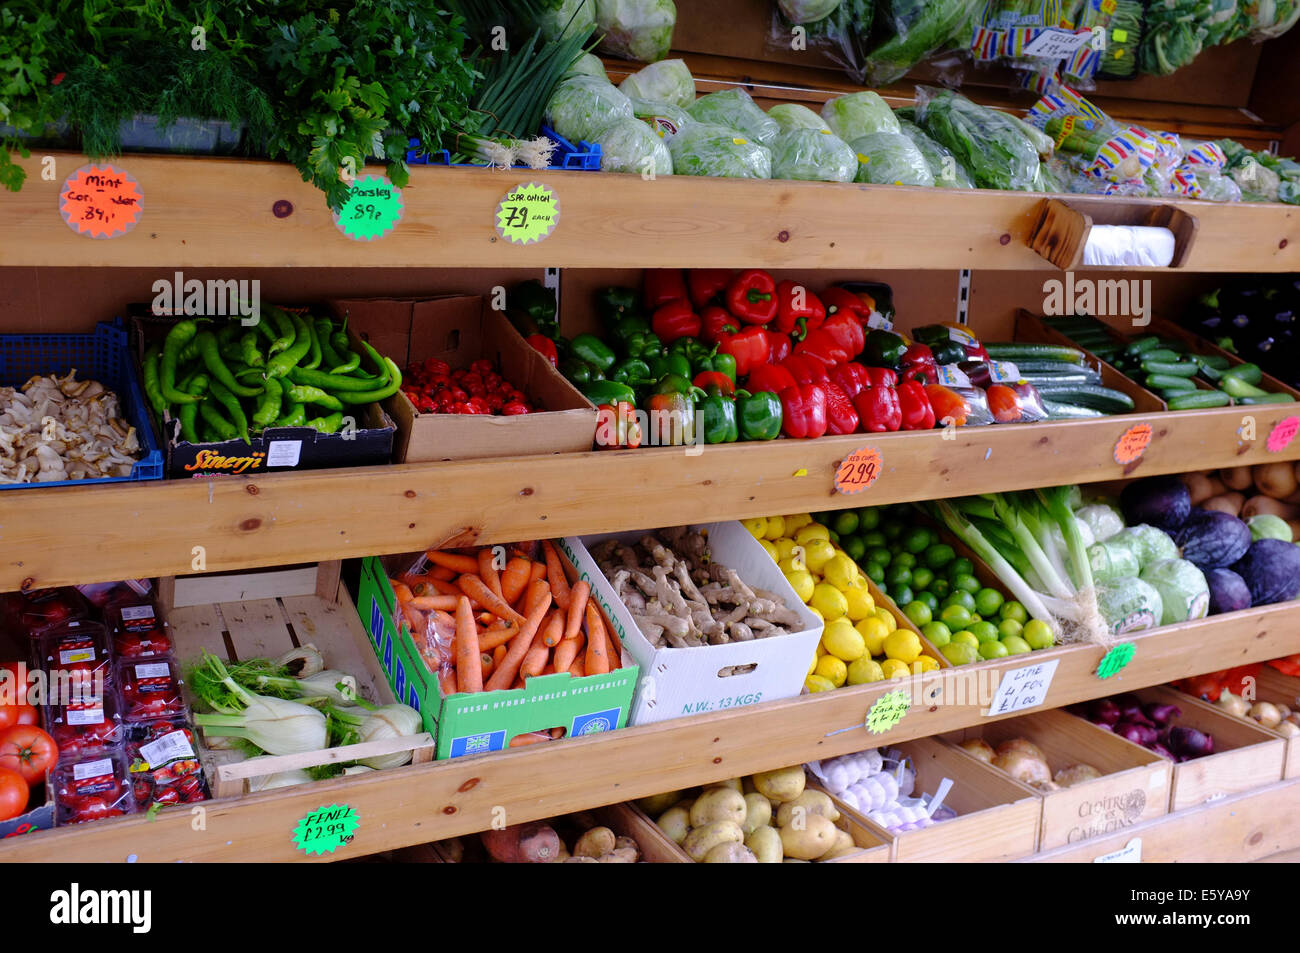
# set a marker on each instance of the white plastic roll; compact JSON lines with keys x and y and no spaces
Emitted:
{"x":1110,"y":245}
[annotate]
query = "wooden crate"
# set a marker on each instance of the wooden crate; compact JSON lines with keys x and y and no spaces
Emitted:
{"x":997,"y":818}
{"x":1134,"y":786}
{"x":269,"y":627}
{"x":1199,"y":345}
{"x":1272,"y":686}
{"x":321,"y":579}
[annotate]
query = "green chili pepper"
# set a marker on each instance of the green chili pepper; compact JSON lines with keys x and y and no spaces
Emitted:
{"x":220,"y":373}
{"x":303,"y":394}
{"x":181,"y":334}
{"x":190,"y":352}
{"x":231,"y":403}
{"x":334,"y":382}
{"x":329,"y":357}
{"x":329,"y":424}
{"x":351,"y":359}
{"x":283,"y":362}
{"x":594,"y":351}
{"x":268,"y":408}
{"x":222,"y":427}
{"x":228,"y":333}
{"x":287,"y":336}
{"x":196,"y":384}
{"x":314,"y":352}
{"x":374,"y":396}
{"x":758,"y":415}
{"x":152,"y":387}
{"x":248,"y":350}
{"x":263,"y":327}
{"x":295,"y":415}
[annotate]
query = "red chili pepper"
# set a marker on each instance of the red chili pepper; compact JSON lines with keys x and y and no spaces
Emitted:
{"x":947,"y":404}
{"x":803,"y":411}
{"x":769,"y":377}
{"x":706,"y":379}
{"x":879,"y":409}
{"x":798,"y":310}
{"x":707,"y":284}
{"x":805,"y":369}
{"x":915,"y":405}
{"x":663,"y":285}
{"x":839,"y":301}
{"x":852,"y":378}
{"x":676,"y":320}
{"x":841,"y":417}
{"x":751,"y":348}
{"x":751,"y":297}
{"x":716,"y":325}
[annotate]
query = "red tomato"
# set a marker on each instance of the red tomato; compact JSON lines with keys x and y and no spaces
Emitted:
{"x":29,"y":751}
{"x":1003,"y":403}
{"x":13,"y":794}
{"x":28,"y":715}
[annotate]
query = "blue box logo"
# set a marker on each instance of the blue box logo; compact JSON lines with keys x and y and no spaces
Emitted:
{"x":596,"y":722}
{"x":376,"y":620}
{"x":388,"y":654}
{"x":412,"y":698}
{"x":399,"y":678}
{"x":478,"y":744}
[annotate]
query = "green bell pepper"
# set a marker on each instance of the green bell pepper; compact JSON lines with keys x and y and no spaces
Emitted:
{"x":538,"y":302}
{"x":594,"y":351}
{"x":693,"y":349}
{"x":631,"y":371}
{"x":665,"y":364}
{"x":717,"y":414}
{"x":885,"y":349}
{"x":608,"y":392}
{"x":675,"y":384}
{"x":721,"y":363}
{"x":949,"y":352}
{"x":758,"y":415}
{"x":613,"y":304}
{"x":627,"y":325}
{"x":671,"y":420}
{"x":579,"y":372}
{"x":642,"y":344}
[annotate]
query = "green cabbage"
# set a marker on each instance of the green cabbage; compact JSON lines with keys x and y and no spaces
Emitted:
{"x":1129,"y":605}
{"x":636,"y":29}
{"x":582,"y":106}
{"x":857,"y":114}
{"x":1148,"y":543}
{"x":735,"y":109}
{"x":564,"y":18}
{"x":814,"y":155}
{"x":890,"y":158}
{"x":668,"y":81}
{"x":704,"y":148}
{"x":1103,"y":520}
{"x":664,"y":118}
{"x":630,"y":145}
{"x":1184,"y":593}
{"x":793,"y":116}
{"x":1268,"y":526}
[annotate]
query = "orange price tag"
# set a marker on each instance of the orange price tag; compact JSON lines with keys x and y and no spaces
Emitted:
{"x":858,"y":470}
{"x":101,"y":201}
{"x":1132,"y":444}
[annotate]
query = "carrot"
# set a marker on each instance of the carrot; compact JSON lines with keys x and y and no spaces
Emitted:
{"x":538,"y":589}
{"x":498,"y":654}
{"x":414,"y":618}
{"x":553,"y":628}
{"x":597,"y":661}
{"x":496,"y":636}
{"x":567,"y":651}
{"x":519,"y":683}
{"x":519,"y":646}
{"x":453,"y":561}
{"x":514,"y":579}
{"x":615,"y":648}
{"x":448,"y":588}
{"x":447,"y":681}
{"x":434,"y":602}
{"x":446,"y":618}
{"x":529,"y":738}
{"x":577,"y":670}
{"x":555,"y":575}
{"x":401,"y":590}
{"x":557,"y":732}
{"x":469,"y":666}
{"x":443,"y":573}
{"x":486,"y":618}
{"x":488,"y":664}
{"x":475,"y":588}
{"x":538,"y":655}
{"x":487,"y":570}
{"x":538,"y":571}
{"x":577,"y":608}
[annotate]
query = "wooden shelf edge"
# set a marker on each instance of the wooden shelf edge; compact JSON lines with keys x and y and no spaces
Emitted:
{"x":423,"y":803}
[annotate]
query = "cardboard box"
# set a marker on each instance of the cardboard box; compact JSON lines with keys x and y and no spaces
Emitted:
{"x":37,"y":819}
{"x":481,"y":722}
{"x":460,"y":329}
{"x":686,"y":681}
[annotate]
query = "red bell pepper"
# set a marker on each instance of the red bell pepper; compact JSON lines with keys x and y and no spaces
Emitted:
{"x":798,"y":310}
{"x":781,"y":346}
{"x":617,"y":427}
{"x":879,"y":409}
{"x":706,"y":379}
{"x":882,"y":377}
{"x":676,"y":320}
{"x":915,"y":405}
{"x":947,"y":403}
{"x":841,"y":417}
{"x":749,"y":347}
{"x":545,"y":347}
{"x":751,"y":297}
{"x":805,"y":369}
{"x":803,"y":411}
{"x":663,"y":285}
{"x":919,"y":363}
{"x":707,"y":284}
{"x":1288,"y":665}
{"x":769,"y":377}
{"x":839,"y":301}
{"x":840,"y":338}
{"x":716,"y":324}
{"x":852,"y":378}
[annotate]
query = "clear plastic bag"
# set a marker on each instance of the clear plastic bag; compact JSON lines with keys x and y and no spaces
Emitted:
{"x":891,"y":158}
{"x":85,"y":724}
{"x":989,"y":145}
{"x":150,"y":689}
{"x":581,"y":106}
{"x":636,"y":29}
{"x":735,"y":109}
{"x":664,"y":119}
{"x":840,"y":36}
{"x":92,"y":789}
{"x":668,"y":81}
{"x":164,"y":763}
{"x":947,"y":171}
{"x":75,"y":658}
{"x":916,"y":29}
{"x":633,"y":146}
{"x":704,"y":148}
{"x":816,"y":155}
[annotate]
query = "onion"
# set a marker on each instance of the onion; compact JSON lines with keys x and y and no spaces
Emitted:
{"x":1137,"y":733}
{"x":1130,"y":708}
{"x":1103,"y":711}
{"x":1233,"y":704}
{"x":1164,"y":752}
{"x":1024,"y":746}
{"x":1288,"y":728}
{"x":1190,"y":742}
{"x":1022,"y":766}
{"x":1076,"y":774}
{"x":1266,"y":714}
{"x":980,"y":749}
{"x":1161,"y":714}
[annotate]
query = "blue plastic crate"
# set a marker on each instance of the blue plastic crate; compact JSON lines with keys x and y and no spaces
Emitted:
{"x":584,"y":157}
{"x":103,"y":356}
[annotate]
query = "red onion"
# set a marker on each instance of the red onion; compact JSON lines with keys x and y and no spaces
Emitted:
{"x":1137,"y":732}
{"x":1161,"y":714}
{"x":1130,"y":707}
{"x":1190,"y":742}
{"x":1103,"y":711}
{"x":1164,"y":752}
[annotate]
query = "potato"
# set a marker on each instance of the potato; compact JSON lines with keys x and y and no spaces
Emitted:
{"x":620,"y":856}
{"x":816,"y":838}
{"x":718,"y":804}
{"x":701,"y":840}
{"x":581,"y":860}
{"x":1076,"y":774}
{"x":843,"y":842}
{"x":563,"y":855}
{"x":658,"y":803}
{"x":597,"y":842}
{"x":733,"y":783}
{"x":626,"y":842}
{"x":784,"y":784}
{"x":676,"y":823}
{"x":765,"y":842}
{"x":1022,"y":744}
{"x":812,"y":802}
{"x":758,"y":813}
{"x":730,"y":853}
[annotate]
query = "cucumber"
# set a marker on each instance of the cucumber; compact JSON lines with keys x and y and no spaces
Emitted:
{"x":1048,"y":368}
{"x":1031,"y":352}
{"x":1199,"y":400}
{"x":1167,"y":382}
{"x":1216,"y":361}
{"x":1139,"y":345}
{"x":1160,"y":355}
{"x":1268,"y":399}
{"x":1038,"y":380}
{"x":1059,"y":411}
{"x":1093,"y":396}
{"x":1249,"y":373}
{"x":1171,"y":368}
{"x":1236,"y":387}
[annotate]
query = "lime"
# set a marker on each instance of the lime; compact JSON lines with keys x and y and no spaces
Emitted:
{"x":966,"y":581}
{"x":984,"y":631}
{"x":958,"y":653}
{"x":940,"y":587}
{"x":965,"y":635}
{"x":904,"y":559}
{"x":976,"y":617}
{"x":854,"y":547}
{"x":918,"y":612}
{"x":988,"y":601}
{"x":955,"y":617}
{"x":892,"y":529}
{"x":865,"y":670}
{"x":1038,"y":634}
{"x":939,"y":555}
{"x":880,"y":555}
{"x":959,"y":597}
{"x":845,"y":522}
{"x":903,"y":644}
{"x":917,"y":540}
{"x":1016,"y":645}
{"x":868,"y":518}
{"x":898,"y":576}
{"x":1013,"y":610}
{"x":922,"y":577}
{"x":834,"y":537}
{"x":993,"y":649}
{"x":874,"y":538}
{"x":937,"y":633}
{"x":929,"y":599}
{"x":959,"y":567}
{"x":876,"y":573}
{"x":902,"y":595}
{"x":1008,"y":627}
{"x":874,"y":632}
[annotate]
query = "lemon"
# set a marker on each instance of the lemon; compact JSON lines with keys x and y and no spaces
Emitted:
{"x":887,"y":617}
{"x":784,"y":546}
{"x":775,"y":527}
{"x":843,"y":641}
{"x":770,"y":550}
{"x":829,"y":601}
{"x":874,"y":632}
{"x":904,"y":645}
{"x":757,"y":526}
{"x":832,"y":669}
{"x":924,"y":664}
{"x":861,"y":605}
{"x":806,"y":534}
{"x":791,"y":564}
{"x":797,"y":521}
{"x":801,"y":581}
{"x":892,"y":668}
{"x":817,"y":553}
{"x":812,"y":665}
{"x":820,"y":618}
{"x":865,"y":670}
{"x":840,"y":571}
{"x":817,"y":683}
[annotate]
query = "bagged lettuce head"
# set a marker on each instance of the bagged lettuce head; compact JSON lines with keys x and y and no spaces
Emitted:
{"x":636,"y":29}
{"x":793,"y":116}
{"x":857,"y":114}
{"x":587,"y":65}
{"x":664,"y":119}
{"x":890,"y":158}
{"x":947,"y":171}
{"x":630,"y":145}
{"x":582,"y":106}
{"x":704,"y":148}
{"x":668,"y":81}
{"x":812,"y":155}
{"x":735,"y":109}
{"x":563,"y":18}
{"x":807,"y":11}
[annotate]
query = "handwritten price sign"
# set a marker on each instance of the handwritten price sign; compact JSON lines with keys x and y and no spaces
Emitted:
{"x":1132,"y":444}
{"x":858,"y":470}
{"x":528,"y":214}
{"x":101,"y":201}
{"x":372,"y":210}
{"x":1114,"y":661}
{"x":887,"y":712}
{"x":1283,"y":432}
{"x":326,"y":829}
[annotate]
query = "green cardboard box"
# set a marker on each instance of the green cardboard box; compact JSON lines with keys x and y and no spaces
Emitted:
{"x":480,"y":722}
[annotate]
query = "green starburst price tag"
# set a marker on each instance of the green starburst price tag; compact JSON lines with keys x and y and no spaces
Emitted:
{"x":1115,"y":660}
{"x":326,"y":829}
{"x":372,"y":210}
{"x":528,"y":214}
{"x":887,"y":712}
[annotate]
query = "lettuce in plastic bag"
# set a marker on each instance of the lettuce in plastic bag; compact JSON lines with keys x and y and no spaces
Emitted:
{"x":735,"y":109}
{"x":636,"y":29}
{"x":664,"y":119}
{"x":587,"y":65}
{"x":581,"y":106}
{"x":562,"y":18}
{"x":704,"y":148}
{"x":919,"y":28}
{"x":890,"y":158}
{"x":812,"y":155}
{"x":793,"y":116}
{"x":807,"y":11}
{"x":668,"y":81}
{"x":853,"y":116}
{"x":947,"y":171}
{"x":1184,"y":593}
{"x":993,"y":149}
{"x":630,"y":145}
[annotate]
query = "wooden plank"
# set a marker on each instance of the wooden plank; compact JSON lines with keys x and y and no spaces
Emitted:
{"x":335,"y":629}
{"x":243,"y":586}
{"x":55,"y":536}
{"x":673,"y":221}
{"x":198,"y":628}
{"x":257,"y":628}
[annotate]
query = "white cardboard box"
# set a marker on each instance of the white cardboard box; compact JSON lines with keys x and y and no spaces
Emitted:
{"x":677,"y":682}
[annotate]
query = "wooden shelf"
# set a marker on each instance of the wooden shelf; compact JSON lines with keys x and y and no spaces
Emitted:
{"x":71,"y":535}
{"x":218,"y":213}
{"x":422,"y":803}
